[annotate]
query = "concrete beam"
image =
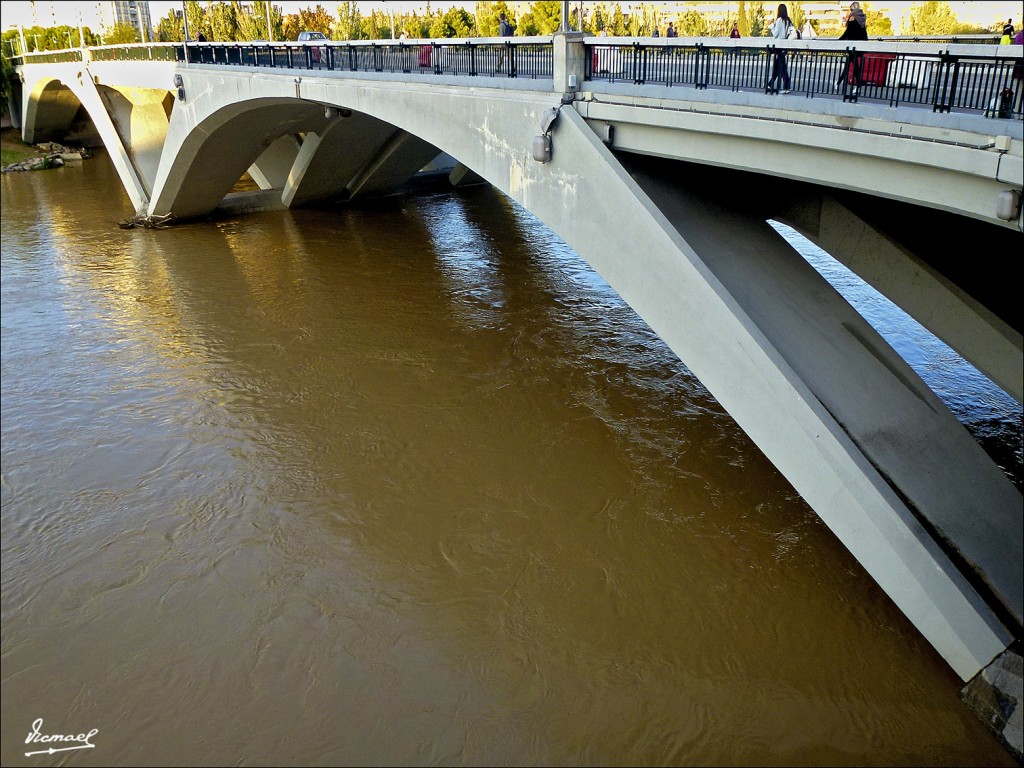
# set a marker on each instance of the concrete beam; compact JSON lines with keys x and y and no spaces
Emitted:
{"x":399,"y":160}
{"x":330,"y":158}
{"x":961,"y":174}
{"x":271,"y":169}
{"x":900,"y":425}
{"x":900,"y":270}
{"x":461,"y":175}
{"x":48,"y":112}
{"x":208,"y":149}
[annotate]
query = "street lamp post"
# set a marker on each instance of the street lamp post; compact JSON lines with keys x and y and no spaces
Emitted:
{"x":184,"y":18}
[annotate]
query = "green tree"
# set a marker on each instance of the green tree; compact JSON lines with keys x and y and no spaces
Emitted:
{"x":291,"y":25}
{"x":796,"y":13}
{"x":487,"y":17}
{"x":121,"y":33}
{"x":223,"y":18}
{"x":693,"y":24}
{"x":543,"y":18}
{"x":350,"y":22}
{"x":634,"y":24}
{"x":878,"y":22}
{"x":252,"y":23}
{"x":618,"y":26}
{"x":455,"y":22}
{"x":170,"y":29}
{"x":47,"y":39}
{"x":9,"y":44}
{"x":198,"y":24}
{"x":376,"y":26}
{"x":757,"y":20}
{"x":743,"y":20}
{"x":415,"y":26}
{"x":315,"y":20}
{"x":936,"y":18}
{"x":6,"y":78}
{"x":651,"y":19}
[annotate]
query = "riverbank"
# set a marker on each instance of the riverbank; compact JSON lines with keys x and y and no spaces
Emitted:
{"x":16,"y":155}
{"x":12,"y":148}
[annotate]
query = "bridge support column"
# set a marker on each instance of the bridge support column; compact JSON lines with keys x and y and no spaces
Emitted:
{"x":462,"y":174}
{"x":397,"y":162}
{"x":130,"y":177}
{"x":271,"y":169}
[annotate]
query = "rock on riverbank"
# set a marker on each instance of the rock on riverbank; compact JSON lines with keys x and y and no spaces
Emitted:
{"x":49,"y":155}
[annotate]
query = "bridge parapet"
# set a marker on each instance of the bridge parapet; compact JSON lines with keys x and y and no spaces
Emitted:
{"x":948,"y":76}
{"x":973,"y":79}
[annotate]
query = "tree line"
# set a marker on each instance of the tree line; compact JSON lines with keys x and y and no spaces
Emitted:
{"x":260,"y":20}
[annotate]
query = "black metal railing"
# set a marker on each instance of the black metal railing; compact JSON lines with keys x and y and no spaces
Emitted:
{"x":48,"y":57}
{"x":467,"y":58}
{"x":137,"y":52}
{"x":954,"y":78}
{"x":984,"y":82}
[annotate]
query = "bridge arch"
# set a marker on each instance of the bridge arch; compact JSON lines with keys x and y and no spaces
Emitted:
{"x":351,"y":144}
{"x":200,"y":164}
{"x":50,"y":107}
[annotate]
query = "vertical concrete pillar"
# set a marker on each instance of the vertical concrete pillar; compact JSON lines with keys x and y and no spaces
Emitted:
{"x":569,"y":62}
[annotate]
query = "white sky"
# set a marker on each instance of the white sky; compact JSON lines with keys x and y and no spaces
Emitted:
{"x":57,"y":12}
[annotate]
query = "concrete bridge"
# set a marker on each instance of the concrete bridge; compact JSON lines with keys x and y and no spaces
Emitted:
{"x":662,"y":177}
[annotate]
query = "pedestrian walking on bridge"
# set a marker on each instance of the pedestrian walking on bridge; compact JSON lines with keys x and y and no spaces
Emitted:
{"x":780,"y":31}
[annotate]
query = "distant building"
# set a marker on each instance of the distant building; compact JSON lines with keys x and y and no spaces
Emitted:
{"x":133,"y":13}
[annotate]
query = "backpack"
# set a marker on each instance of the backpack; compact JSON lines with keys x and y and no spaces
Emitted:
{"x":505,"y":29}
{"x":793,"y":33}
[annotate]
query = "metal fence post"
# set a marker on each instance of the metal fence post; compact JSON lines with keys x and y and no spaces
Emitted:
{"x":945,"y":83}
{"x":702,"y":65}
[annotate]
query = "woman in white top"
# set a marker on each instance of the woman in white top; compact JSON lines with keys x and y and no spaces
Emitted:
{"x":780,"y":31}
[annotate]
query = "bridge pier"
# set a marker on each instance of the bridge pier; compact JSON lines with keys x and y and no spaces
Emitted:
{"x":271,"y":169}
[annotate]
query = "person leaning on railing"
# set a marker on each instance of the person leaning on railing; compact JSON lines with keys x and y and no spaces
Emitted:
{"x":1007,"y":37}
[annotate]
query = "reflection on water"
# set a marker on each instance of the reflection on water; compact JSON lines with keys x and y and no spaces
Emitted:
{"x":405,"y":484}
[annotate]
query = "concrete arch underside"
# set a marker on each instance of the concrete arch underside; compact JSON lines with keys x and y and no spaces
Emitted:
{"x":859,"y":435}
{"x":131,"y":120}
